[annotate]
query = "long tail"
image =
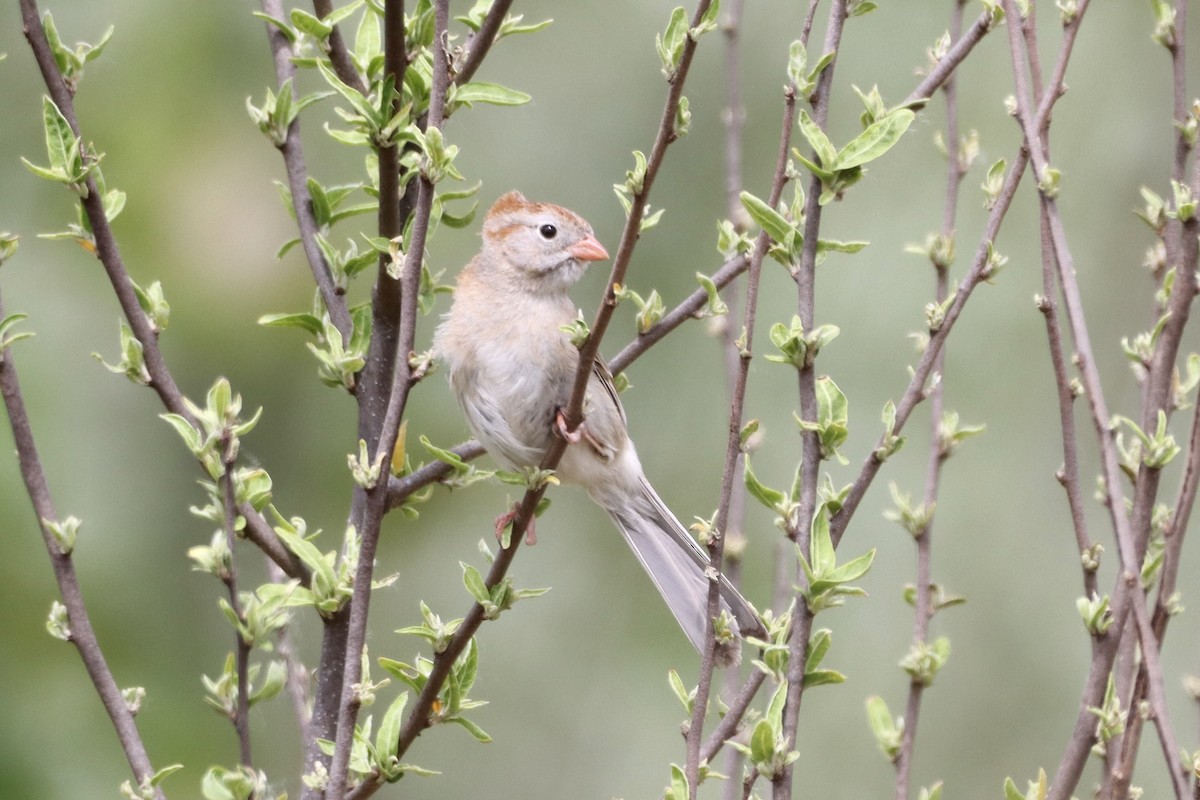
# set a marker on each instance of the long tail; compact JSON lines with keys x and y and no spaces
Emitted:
{"x":676,"y":564}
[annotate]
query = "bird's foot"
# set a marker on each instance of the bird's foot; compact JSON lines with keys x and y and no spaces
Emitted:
{"x":580,"y":434}
{"x":504,"y":520}
{"x":560,"y":427}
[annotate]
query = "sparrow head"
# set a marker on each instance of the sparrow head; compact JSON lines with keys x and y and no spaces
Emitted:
{"x":545,"y":245}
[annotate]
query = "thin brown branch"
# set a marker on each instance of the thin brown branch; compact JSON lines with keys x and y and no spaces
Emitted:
{"x":733,"y":450}
{"x":109,"y":254}
{"x":1182,"y":254}
{"x":481,"y":41}
{"x":292,"y":150}
{"x":376,"y":378}
{"x":400,"y":489}
{"x":377,"y":495}
{"x":687,"y":309}
{"x":1068,"y":474}
{"x":923,"y":610}
{"x":590,"y":349}
{"x":734,"y":118}
{"x":241,"y":715}
{"x":941,"y":73}
{"x":1126,"y":533}
{"x":81,"y":633}
{"x":805,"y":276}
{"x":339,"y":56}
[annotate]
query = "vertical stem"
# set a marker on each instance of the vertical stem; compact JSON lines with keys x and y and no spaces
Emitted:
{"x":923,"y":611}
{"x":805,"y":276}
{"x":241,"y":719}
{"x":734,"y":116}
{"x":375,"y":505}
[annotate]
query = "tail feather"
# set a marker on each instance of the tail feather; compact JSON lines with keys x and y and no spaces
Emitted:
{"x":676,"y":564}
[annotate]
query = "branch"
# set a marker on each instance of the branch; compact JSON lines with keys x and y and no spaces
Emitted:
{"x":400,"y":489}
{"x":734,"y":117}
{"x":590,"y":350}
{"x":923,"y":607}
{"x":81,"y":633}
{"x":949,"y":62}
{"x":481,"y":42}
{"x":805,"y":276}
{"x":733,"y":451}
{"x":1126,"y":596}
{"x":376,"y":377}
{"x":377,"y":495}
{"x":241,"y":719}
{"x":161,"y":380}
{"x":292,"y":151}
{"x":339,"y":56}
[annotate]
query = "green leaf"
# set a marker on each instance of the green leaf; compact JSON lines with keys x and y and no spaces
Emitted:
{"x":879,"y":137}
{"x":6,"y":325}
{"x":817,"y":140}
{"x":307,"y":23}
{"x":771,"y":498}
{"x":770,"y":220}
{"x":475,"y":584}
{"x":388,"y":737}
{"x":60,"y":139}
{"x":479,"y":733}
{"x":670,"y":44}
{"x":888,"y":734}
{"x":680,"y":691}
{"x":679,"y":782}
{"x":762,"y":742}
{"x":493,"y":93}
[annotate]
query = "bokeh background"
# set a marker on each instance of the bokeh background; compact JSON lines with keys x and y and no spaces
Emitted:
{"x":579,"y":704}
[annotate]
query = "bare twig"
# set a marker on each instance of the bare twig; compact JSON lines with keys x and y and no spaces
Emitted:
{"x":923,"y":606}
{"x":1181,"y":247}
{"x":734,"y":117}
{"x":81,"y":633}
{"x":241,"y":715}
{"x":1126,"y":598}
{"x":948,"y":63}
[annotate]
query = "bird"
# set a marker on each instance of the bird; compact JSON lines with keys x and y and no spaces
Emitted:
{"x":511,"y":366}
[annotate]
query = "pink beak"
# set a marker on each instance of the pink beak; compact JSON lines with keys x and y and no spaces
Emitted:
{"x":588,"y":250}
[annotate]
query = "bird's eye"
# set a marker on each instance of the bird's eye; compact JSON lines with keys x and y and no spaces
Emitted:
{"x":548,"y":231}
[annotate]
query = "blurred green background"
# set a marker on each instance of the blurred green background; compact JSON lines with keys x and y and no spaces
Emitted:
{"x":579,"y":704}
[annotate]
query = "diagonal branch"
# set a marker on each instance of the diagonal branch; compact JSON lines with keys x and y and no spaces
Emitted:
{"x":339,"y":56}
{"x":81,"y":633}
{"x":292,"y":151}
{"x":481,"y":42}
{"x":109,"y":254}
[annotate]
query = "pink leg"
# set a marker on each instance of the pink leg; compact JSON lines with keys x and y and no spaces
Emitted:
{"x":560,"y":425}
{"x":504,"y":520}
{"x":581,"y":433}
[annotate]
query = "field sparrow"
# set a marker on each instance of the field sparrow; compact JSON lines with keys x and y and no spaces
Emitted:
{"x":511,"y":368}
